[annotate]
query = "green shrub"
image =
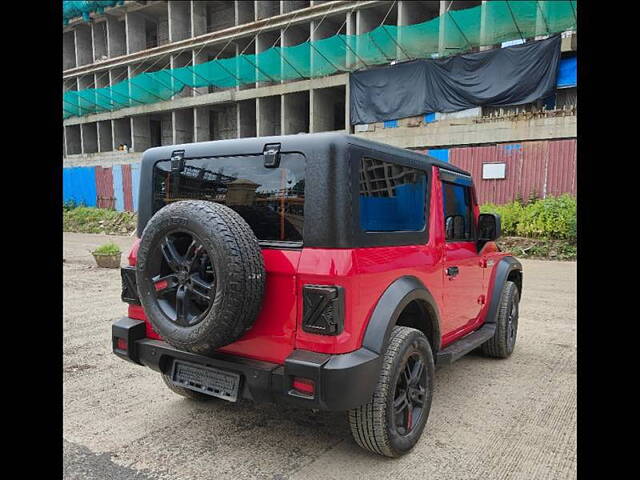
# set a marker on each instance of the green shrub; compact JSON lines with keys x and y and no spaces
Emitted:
{"x":551,"y":217}
{"x":107,"y":249}
{"x":510,"y":215}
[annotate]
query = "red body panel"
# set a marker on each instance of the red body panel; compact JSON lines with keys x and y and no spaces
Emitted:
{"x":364,"y":273}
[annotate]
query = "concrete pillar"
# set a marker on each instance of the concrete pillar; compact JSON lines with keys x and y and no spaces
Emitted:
{"x":287,"y":6}
{"x":84,"y":47}
{"x":324,"y":105}
{"x":318,"y":32}
{"x":99,"y":38}
{"x":266,"y":9}
{"x":244,"y":11}
{"x":116,"y":37}
{"x":199,"y":56}
{"x":166,"y":125}
{"x":366,"y":20}
{"x":136,"y":32}
{"x":182,"y":121}
{"x":484,"y":27}
{"x":442,"y":47}
{"x":321,"y":111}
{"x":140,"y":133}
{"x":73,"y":140}
{"x":347,"y":107}
{"x":542,"y":25}
{"x":199,"y":17}
{"x":179,"y":20}
{"x":223,"y":122}
{"x":105,"y":136}
{"x":68,"y":50}
{"x":101,"y":80}
{"x":89,"y":135}
{"x":295,"y":113}
{"x":201,"y":131}
{"x":85,"y":82}
{"x":351,"y":30}
{"x":181,"y":60}
{"x":263,"y":42}
{"x":294,"y":35}
{"x":163,"y":30}
{"x":268,"y":116}
{"x":247,"y":118}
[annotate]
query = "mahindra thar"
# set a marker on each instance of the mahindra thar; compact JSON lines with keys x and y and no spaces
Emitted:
{"x":323,"y":270}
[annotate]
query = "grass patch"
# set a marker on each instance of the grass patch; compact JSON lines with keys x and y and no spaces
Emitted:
{"x":539,"y":248}
{"x":98,"y":220}
{"x":107,"y":249}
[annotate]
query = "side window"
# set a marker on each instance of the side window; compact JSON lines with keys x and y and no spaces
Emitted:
{"x":458,"y":216}
{"x":392,"y":197}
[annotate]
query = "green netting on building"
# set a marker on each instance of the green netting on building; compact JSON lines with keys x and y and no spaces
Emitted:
{"x":73,"y":9}
{"x":461,"y":31}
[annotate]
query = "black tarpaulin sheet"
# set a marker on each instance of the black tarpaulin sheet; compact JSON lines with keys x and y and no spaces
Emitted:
{"x":505,"y":76}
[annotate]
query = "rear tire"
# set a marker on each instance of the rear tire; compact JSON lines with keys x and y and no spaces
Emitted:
{"x":185,"y":392}
{"x":392,"y":422}
{"x":503,"y":342}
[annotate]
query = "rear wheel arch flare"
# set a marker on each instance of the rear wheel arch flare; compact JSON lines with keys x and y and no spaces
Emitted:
{"x":405,"y":292}
{"x":515,"y":276}
{"x":421,"y":315}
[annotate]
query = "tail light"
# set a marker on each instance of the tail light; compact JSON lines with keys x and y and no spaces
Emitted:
{"x":323,"y":309}
{"x":304,"y":386}
{"x":121,"y":344}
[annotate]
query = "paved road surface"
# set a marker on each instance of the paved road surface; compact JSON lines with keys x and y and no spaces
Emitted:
{"x":490,"y":419}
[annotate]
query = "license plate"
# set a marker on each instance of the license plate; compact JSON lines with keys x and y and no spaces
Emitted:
{"x":208,"y":380}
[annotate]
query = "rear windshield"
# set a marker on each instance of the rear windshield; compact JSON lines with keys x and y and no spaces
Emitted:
{"x":271,"y":200}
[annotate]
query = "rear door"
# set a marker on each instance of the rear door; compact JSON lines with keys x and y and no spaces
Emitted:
{"x":463,"y":272}
{"x":271,"y":200}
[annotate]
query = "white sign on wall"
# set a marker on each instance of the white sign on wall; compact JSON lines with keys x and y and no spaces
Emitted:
{"x":493,"y":171}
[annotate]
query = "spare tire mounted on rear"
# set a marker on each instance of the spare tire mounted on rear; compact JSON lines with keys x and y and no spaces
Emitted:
{"x":200,"y":275}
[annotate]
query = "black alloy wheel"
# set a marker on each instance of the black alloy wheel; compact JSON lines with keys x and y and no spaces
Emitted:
{"x":183,"y":278}
{"x":409,"y":397}
{"x":503,"y":342}
{"x":395,"y":417}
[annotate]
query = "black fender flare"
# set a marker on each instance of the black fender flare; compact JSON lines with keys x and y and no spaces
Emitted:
{"x":501,"y":272}
{"x":389,"y":307}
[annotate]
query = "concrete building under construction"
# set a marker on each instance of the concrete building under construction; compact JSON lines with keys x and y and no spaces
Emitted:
{"x":136,"y":37}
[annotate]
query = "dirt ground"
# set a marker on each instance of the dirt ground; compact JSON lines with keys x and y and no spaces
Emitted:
{"x":490,"y":419}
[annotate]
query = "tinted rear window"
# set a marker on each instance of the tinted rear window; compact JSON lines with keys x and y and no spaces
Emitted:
{"x":271,"y":200}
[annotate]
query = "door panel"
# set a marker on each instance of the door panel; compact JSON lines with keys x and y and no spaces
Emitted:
{"x":461,"y":291}
{"x":462,"y":268}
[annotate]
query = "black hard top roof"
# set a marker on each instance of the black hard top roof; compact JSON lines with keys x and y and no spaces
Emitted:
{"x":290,"y":143}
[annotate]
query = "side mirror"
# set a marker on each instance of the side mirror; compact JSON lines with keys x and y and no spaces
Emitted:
{"x":489,"y":227}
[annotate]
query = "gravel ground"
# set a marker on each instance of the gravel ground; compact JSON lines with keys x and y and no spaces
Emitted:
{"x":490,"y":419}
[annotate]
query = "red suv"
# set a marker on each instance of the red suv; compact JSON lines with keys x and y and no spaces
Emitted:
{"x":323,"y":270}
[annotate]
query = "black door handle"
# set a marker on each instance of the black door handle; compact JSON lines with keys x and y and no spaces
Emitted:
{"x":452,"y":271}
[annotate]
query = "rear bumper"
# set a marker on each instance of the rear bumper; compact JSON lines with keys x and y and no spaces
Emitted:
{"x":342,"y":381}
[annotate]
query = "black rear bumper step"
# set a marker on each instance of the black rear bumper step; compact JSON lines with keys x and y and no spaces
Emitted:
{"x":463,"y":346}
{"x":342,"y":381}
